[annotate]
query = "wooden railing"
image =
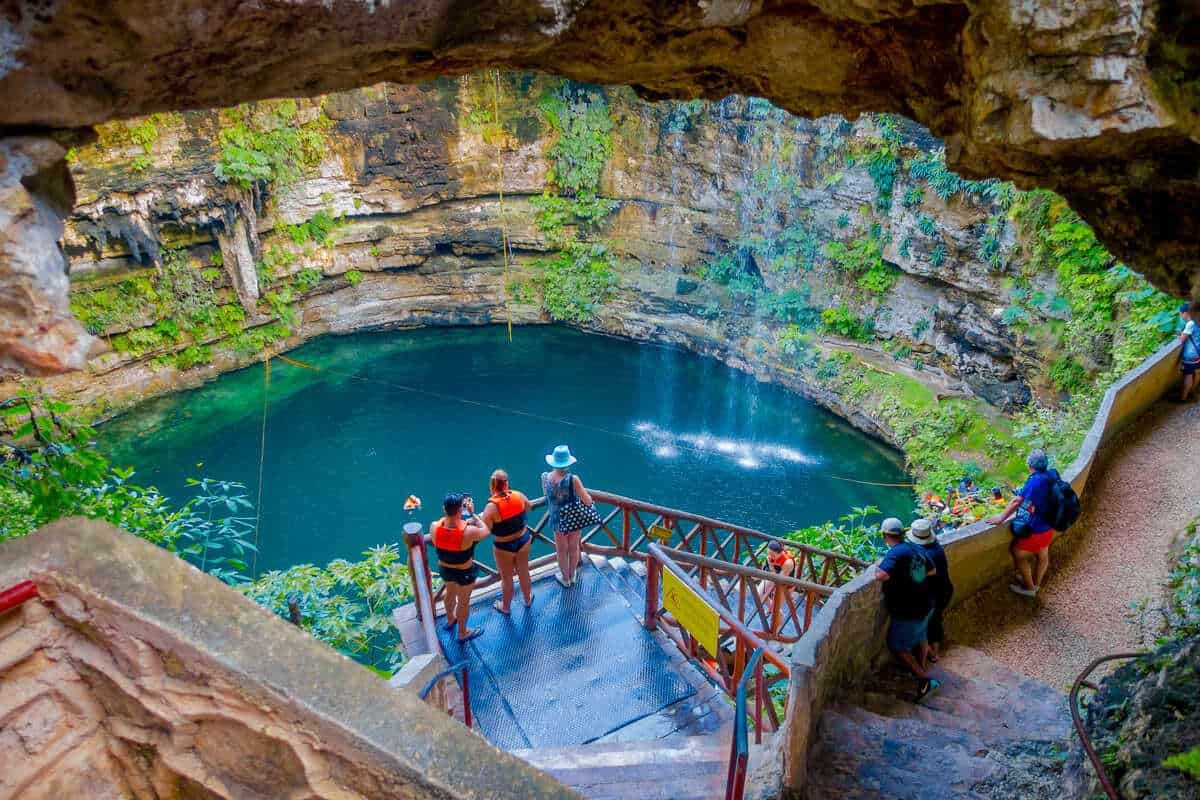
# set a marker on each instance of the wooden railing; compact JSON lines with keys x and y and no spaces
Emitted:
{"x":775,"y":607}
{"x":736,"y":641}
{"x":628,"y":526}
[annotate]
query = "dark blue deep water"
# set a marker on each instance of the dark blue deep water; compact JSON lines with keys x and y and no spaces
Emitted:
{"x":440,"y":408}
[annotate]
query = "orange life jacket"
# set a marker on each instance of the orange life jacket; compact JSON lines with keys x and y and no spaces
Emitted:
{"x":777,"y":561}
{"x":448,"y":541}
{"x":512,"y":516}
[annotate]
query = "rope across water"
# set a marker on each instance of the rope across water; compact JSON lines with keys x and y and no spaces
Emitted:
{"x":492,"y":407}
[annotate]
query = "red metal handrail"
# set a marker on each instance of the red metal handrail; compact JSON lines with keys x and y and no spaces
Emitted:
{"x":15,"y":595}
{"x":1077,"y":720}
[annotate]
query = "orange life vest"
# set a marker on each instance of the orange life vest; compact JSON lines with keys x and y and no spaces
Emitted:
{"x":448,"y":541}
{"x":512,"y":516}
{"x":777,"y":561}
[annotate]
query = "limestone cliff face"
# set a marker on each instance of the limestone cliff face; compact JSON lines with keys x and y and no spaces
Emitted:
{"x":411,"y":175}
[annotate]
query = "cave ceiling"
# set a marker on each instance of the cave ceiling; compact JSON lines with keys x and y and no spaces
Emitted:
{"x":1096,"y":99}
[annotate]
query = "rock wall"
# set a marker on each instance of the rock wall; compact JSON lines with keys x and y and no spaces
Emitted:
{"x":411,"y":174}
{"x":134,"y":675}
{"x":1094,"y":98}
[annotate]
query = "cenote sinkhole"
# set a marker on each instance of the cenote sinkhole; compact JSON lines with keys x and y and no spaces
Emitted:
{"x":429,"y":411}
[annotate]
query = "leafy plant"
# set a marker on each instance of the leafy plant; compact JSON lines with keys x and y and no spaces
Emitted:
{"x":844,"y":322}
{"x":1188,"y":763}
{"x":576,"y":282}
{"x":266,"y":142}
{"x":354,"y":277}
{"x":345,"y":604}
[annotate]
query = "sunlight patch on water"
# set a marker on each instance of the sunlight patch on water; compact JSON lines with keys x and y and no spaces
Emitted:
{"x":746,"y":454}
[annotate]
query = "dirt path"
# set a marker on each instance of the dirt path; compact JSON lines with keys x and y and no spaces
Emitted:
{"x":1116,"y":557}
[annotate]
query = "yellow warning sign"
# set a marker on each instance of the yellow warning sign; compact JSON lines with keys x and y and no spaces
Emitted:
{"x":659,"y":532}
{"x":699,"y":618}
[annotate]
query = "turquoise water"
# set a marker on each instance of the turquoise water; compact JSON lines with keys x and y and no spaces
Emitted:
{"x":436,"y":410}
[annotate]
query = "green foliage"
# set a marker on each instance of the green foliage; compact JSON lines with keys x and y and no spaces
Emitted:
{"x":318,"y":229}
{"x":927,"y":225}
{"x":576,"y":282}
{"x":255,"y":340}
{"x":863,"y":257}
{"x":913,"y":197}
{"x":306,"y":280}
{"x":844,"y":322}
{"x":938,"y":256}
{"x":883,"y":160}
{"x":855,"y":534}
{"x":1068,"y":375}
{"x":192,"y":356}
{"x":345,"y":604}
{"x":791,"y":306}
{"x":121,"y":304}
{"x":735,"y":274}
{"x":354,"y":277}
{"x":843,"y":220}
{"x":1185,"y":588}
{"x":266,"y":142}
{"x":1188,"y":763}
{"x":579,"y":116}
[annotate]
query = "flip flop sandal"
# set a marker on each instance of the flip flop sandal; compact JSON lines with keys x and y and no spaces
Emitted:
{"x":449,"y":626}
{"x":532,"y":597}
{"x":562,"y":581}
{"x":472,"y":633}
{"x":499,"y":606}
{"x":927,"y":688}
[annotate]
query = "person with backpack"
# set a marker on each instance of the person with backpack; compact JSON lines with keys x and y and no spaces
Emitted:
{"x":921,"y":533}
{"x":1044,"y":504}
{"x":905,"y":573}
{"x":1189,"y":354}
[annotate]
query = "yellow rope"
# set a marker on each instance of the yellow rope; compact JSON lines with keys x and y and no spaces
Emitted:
{"x":262,"y":455}
{"x":500,"y":179}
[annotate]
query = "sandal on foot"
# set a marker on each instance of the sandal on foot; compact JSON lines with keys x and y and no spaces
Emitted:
{"x":562,"y":581}
{"x":499,"y":606}
{"x":449,"y":626}
{"x":471,"y":634}
{"x":532,"y":597}
{"x":927,"y":688}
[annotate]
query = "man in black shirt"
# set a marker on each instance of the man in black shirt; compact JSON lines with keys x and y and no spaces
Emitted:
{"x":904,"y":572}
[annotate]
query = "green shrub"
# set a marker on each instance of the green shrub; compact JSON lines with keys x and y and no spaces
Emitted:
{"x":266,"y":142}
{"x":844,"y":322}
{"x":576,"y":282}
{"x":1068,"y":375}
{"x":354,"y":277}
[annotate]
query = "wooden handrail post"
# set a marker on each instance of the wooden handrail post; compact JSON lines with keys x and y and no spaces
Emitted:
{"x":414,"y":540}
{"x":776,"y":602}
{"x":653,"y":580}
{"x":625,"y":528}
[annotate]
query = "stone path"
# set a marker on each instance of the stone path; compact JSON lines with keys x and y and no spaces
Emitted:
{"x":1115,"y":558}
{"x":987,"y":731}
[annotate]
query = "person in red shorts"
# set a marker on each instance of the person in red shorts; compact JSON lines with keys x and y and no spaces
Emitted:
{"x":1032,"y":534}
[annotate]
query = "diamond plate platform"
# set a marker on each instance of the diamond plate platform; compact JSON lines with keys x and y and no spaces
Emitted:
{"x":576,"y":667}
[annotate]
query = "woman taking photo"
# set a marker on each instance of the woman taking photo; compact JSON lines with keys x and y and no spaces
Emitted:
{"x":505,"y":515}
{"x":571,"y":510}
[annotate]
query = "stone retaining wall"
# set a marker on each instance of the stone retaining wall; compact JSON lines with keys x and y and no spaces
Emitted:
{"x":847,"y":637}
{"x":135,"y":675}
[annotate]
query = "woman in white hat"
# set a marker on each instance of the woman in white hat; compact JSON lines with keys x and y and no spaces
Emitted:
{"x":921,"y":534}
{"x":563,"y":488}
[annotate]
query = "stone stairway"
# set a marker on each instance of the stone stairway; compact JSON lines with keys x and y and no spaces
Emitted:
{"x":692,"y":768}
{"x":988,"y":733}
